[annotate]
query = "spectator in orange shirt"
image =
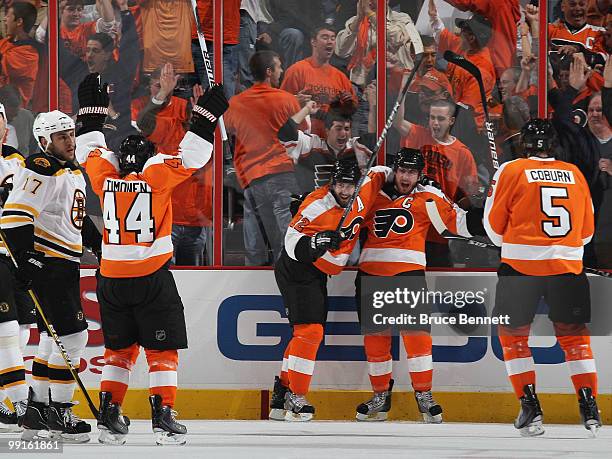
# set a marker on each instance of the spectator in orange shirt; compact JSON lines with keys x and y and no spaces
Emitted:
{"x":472,"y":44}
{"x":504,"y":16}
{"x":314,"y":78}
{"x":18,"y":53}
{"x":263,"y":168}
{"x":160,"y":116}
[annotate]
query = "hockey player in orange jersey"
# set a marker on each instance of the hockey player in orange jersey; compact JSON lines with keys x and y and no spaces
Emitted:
{"x":314,"y":250}
{"x":539,"y":210}
{"x":139,"y":301}
{"x":397,"y":227}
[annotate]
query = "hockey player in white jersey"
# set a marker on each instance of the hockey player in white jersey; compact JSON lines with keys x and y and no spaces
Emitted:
{"x":16,"y":307}
{"x":43,"y":220}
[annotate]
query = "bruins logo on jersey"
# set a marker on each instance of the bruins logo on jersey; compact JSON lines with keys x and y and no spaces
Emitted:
{"x":400,"y":221}
{"x":78,"y":209}
{"x":42,"y":162}
{"x":351,"y":230}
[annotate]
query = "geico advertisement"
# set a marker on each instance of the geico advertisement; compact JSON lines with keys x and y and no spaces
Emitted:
{"x":238,"y":330}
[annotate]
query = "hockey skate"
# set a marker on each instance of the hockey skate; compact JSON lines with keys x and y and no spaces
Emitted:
{"x":377,"y":408}
{"x":8,"y":419}
{"x":529,"y":420}
{"x":431,"y":411}
{"x":64,"y":425}
{"x":589,"y":413}
{"x":298,"y":408}
{"x":163,"y":418}
{"x":277,"y":401}
{"x":34,"y":420}
{"x":112,"y":424}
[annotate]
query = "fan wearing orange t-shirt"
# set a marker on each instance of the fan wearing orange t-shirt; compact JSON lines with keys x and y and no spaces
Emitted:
{"x":447,"y":161}
{"x":262,"y":164}
{"x":314,"y":78}
{"x":18,"y":54}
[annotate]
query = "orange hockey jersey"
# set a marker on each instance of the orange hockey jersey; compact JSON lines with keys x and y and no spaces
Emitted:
{"x":321,"y":212}
{"x":541,"y":214}
{"x":137,"y":209}
{"x":589,"y":37}
{"x":397,"y":230}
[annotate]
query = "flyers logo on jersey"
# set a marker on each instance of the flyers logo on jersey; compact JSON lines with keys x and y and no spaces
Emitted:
{"x":349,"y":231}
{"x":78,"y":209}
{"x":400,"y":221}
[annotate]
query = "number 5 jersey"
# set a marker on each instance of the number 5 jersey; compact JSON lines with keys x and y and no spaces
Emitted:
{"x":539,"y":210}
{"x":137,"y":208}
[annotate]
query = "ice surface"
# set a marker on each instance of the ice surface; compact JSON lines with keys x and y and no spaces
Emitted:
{"x":339,"y":440}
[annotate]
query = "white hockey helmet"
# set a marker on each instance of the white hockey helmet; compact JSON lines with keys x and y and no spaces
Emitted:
{"x":49,"y":123}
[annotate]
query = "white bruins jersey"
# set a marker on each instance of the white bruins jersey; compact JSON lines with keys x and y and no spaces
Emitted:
{"x":50,"y":196}
{"x":11,"y":163}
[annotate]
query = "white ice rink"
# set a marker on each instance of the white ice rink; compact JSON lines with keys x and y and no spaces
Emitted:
{"x":339,"y":440}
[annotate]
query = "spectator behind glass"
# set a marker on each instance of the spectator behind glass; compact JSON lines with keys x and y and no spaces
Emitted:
{"x":472,"y":44}
{"x":357,"y":42}
{"x":584,"y":146}
{"x":19,"y":65}
{"x":20,"y":119}
{"x":503,"y":16}
{"x":166,"y":34}
{"x":163,"y":119}
{"x":118,"y":74}
{"x":263,"y":167}
{"x":572,"y":34}
{"x":253,"y":17}
{"x":231,"y":38}
{"x":75,"y":34}
{"x":293,"y":21}
{"x":315,"y":79}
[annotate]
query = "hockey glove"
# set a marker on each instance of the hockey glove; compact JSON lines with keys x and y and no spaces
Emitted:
{"x":296,"y":202}
{"x":93,"y":104}
{"x":322,"y":242}
{"x":206,"y":112}
{"x":30,"y":266}
{"x":426,"y":181}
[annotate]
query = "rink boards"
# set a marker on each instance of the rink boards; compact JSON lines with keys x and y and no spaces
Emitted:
{"x":238,"y":331}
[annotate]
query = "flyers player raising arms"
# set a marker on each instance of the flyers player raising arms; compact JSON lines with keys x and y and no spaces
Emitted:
{"x":139,"y":301}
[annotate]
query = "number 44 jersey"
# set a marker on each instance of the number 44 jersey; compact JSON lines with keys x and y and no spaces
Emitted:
{"x":137,"y":208}
{"x":539,"y":210}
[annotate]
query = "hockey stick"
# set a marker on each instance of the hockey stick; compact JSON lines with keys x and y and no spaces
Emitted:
{"x":438,"y":224}
{"x":469,"y":67}
{"x":381,"y":138}
{"x":207,"y":63}
{"x":53,"y":334}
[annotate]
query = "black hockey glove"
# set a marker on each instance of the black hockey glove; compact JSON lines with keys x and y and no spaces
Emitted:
{"x":424,"y":181}
{"x":322,"y":242}
{"x":30,"y":266}
{"x":93,"y":104}
{"x":296,"y":202}
{"x":206,"y":112}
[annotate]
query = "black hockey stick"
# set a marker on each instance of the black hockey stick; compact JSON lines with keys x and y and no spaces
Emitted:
{"x":469,"y":67}
{"x":53,"y":334}
{"x":381,"y":138}
{"x":207,"y":63}
{"x":438,"y":224}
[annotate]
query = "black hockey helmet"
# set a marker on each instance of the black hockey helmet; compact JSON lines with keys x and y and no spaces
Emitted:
{"x":409,"y":158}
{"x":537,"y":136}
{"x":134,"y":152}
{"x":345,"y":171}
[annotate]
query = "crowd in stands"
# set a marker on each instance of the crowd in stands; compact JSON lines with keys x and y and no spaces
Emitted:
{"x":301,"y":80}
